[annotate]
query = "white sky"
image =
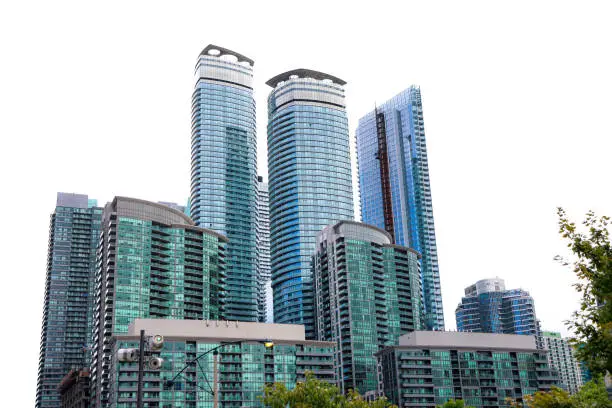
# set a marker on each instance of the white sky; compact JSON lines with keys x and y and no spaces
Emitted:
{"x":95,"y":98}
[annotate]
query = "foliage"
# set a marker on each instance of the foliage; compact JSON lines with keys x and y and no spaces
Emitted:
{"x":314,"y":393}
{"x":593,"y":394}
{"x":592,"y":324}
{"x":453,"y":404}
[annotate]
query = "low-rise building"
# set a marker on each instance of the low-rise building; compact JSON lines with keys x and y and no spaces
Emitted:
{"x":427,"y":369}
{"x":246,"y":363}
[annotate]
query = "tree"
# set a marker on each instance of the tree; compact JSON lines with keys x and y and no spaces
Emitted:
{"x":592,"y":324}
{"x":453,"y":404}
{"x":593,"y":394}
{"x":314,"y":393}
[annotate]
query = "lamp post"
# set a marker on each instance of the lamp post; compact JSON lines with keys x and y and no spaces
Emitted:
{"x":152,"y":343}
{"x":215,"y":351}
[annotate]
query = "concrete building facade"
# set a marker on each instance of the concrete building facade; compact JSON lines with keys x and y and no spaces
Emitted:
{"x":264,"y":308}
{"x":561,"y":357}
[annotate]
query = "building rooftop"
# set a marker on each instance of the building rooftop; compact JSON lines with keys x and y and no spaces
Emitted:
{"x":467,"y":340}
{"x":224,"y":330}
{"x":216,"y":51}
{"x":303,"y":73}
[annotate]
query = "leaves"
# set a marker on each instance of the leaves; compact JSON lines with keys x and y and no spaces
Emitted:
{"x":592,"y":323}
{"x":314,"y":393}
{"x":593,"y":394}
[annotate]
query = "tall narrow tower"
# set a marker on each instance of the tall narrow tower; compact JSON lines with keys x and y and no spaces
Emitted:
{"x":310,"y":186}
{"x":263,"y":250}
{"x":224,"y":168}
{"x":395,"y":190}
{"x":67,"y":317}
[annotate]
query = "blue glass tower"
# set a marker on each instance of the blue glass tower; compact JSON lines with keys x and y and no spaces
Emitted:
{"x":224,"y":168}
{"x":488,"y":307}
{"x":394,"y":187}
{"x":309,"y":182}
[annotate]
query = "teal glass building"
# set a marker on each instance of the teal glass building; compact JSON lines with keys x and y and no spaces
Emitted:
{"x":310,"y":182}
{"x":224,"y":168}
{"x":67,"y":316}
{"x":152,"y":262}
{"x":245,"y":364}
{"x":429,"y":368}
{"x":367,"y":294}
{"x":395,"y":189}
{"x":488,"y":307}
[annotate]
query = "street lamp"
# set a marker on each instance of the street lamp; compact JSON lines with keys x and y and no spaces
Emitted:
{"x":170,"y":383}
{"x":152,"y":343}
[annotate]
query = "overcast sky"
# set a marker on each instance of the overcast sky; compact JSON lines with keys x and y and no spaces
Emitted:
{"x":95,"y":98}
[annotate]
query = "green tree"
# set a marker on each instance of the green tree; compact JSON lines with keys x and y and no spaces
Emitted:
{"x":555,"y":398}
{"x":314,"y":393}
{"x":592,"y":394}
{"x":592,"y":324}
{"x":453,"y":404}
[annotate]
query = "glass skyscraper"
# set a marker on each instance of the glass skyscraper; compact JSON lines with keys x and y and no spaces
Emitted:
{"x":394,"y":186}
{"x":224,"y":168}
{"x":488,"y":307}
{"x":67,"y":317}
{"x":263,"y":251}
{"x":152,"y":262}
{"x":309,"y":181}
{"x":367,"y":294}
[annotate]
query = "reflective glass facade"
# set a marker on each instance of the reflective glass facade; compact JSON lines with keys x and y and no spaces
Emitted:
{"x":67,"y":317}
{"x":482,"y":374}
{"x":367,"y":294}
{"x":152,"y":263}
{"x":498,"y":311}
{"x":224,"y":168}
{"x":243,"y":371}
{"x":406,"y":172}
{"x":309,"y":181}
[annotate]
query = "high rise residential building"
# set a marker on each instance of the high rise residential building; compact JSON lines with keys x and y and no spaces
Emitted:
{"x":152,"y":262}
{"x":395,"y":189}
{"x":75,"y":389}
{"x":67,"y":316}
{"x":263,"y":253}
{"x":428,"y":368}
{"x":488,"y":307}
{"x":561,"y":357}
{"x":310,"y":182}
{"x":224,"y":168}
{"x":245,"y":364}
{"x":367,"y":294}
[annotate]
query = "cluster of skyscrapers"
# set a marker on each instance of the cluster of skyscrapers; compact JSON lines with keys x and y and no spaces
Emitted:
{"x":359,"y":304}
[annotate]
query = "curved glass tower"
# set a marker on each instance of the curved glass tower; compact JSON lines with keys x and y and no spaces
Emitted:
{"x":309,"y":182}
{"x":224,"y":168}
